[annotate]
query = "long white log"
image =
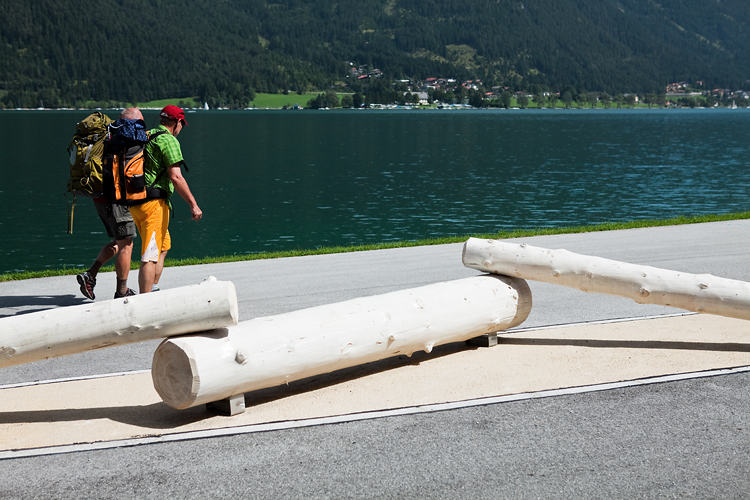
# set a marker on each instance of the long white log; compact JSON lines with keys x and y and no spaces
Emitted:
{"x":70,"y":330}
{"x":265,"y":352}
{"x":701,"y":293}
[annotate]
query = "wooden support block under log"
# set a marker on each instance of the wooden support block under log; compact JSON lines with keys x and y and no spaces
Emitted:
{"x":488,"y":340}
{"x":265,"y":352}
{"x":70,"y":330}
{"x":702,"y":293}
{"x":233,"y":405}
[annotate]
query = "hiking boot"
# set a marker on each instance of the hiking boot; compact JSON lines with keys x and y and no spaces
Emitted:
{"x":129,"y":293}
{"x":87,"y":283}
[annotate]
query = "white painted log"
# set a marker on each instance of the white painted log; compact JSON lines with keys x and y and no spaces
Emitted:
{"x":265,"y":352}
{"x":701,"y":293}
{"x":70,"y":330}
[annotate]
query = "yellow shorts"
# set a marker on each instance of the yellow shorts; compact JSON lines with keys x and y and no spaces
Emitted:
{"x":152,"y":220}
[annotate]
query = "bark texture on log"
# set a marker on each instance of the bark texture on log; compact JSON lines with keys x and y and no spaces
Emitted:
{"x":701,"y":293}
{"x":70,"y":330}
{"x":265,"y":352}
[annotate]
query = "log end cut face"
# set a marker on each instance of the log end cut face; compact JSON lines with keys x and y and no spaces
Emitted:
{"x":174,"y":376}
{"x":521,"y":287}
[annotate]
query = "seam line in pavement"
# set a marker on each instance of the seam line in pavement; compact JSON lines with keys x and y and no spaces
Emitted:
{"x":71,"y":379}
{"x":338,"y":419}
{"x":595,"y":322}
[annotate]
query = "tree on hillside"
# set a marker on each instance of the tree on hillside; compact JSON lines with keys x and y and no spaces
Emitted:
{"x":328,"y":99}
{"x":567,"y":98}
{"x":539,"y":99}
{"x":476,"y":99}
{"x":506,"y":98}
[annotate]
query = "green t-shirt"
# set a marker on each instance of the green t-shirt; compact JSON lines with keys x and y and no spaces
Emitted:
{"x":160,"y":153}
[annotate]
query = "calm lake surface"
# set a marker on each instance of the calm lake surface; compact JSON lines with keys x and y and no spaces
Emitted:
{"x":278,"y":180}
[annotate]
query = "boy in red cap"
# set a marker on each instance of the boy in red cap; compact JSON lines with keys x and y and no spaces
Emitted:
{"x":161,"y":170}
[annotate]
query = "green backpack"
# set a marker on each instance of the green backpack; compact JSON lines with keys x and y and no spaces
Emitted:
{"x":85,"y":152}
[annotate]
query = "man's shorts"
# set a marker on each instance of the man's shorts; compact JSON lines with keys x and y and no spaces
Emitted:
{"x":117,"y":220}
{"x":152,"y":219}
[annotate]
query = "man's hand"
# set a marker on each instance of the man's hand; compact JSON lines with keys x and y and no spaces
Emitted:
{"x":197,"y":213}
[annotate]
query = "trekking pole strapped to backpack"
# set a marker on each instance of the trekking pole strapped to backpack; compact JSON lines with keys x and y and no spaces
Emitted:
{"x":85,"y":152}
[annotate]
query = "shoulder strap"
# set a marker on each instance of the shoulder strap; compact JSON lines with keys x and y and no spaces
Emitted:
{"x":155,"y":135}
{"x":151,"y":137}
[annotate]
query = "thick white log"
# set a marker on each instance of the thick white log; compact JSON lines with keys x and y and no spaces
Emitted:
{"x":265,"y":352}
{"x":70,"y":330}
{"x":701,"y":293}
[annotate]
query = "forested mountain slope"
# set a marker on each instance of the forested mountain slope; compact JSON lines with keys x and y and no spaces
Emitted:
{"x":65,"y":51}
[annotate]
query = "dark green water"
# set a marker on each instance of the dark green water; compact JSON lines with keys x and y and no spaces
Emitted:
{"x":277,"y":180}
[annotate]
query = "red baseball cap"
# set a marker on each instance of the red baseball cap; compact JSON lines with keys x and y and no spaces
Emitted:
{"x":174,"y":113}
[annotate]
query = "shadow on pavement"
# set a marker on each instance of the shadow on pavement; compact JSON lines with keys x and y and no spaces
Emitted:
{"x":25,"y":304}
{"x":159,"y":416}
{"x":154,"y":416}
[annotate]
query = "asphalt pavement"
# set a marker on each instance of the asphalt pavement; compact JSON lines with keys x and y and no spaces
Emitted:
{"x":684,"y":439}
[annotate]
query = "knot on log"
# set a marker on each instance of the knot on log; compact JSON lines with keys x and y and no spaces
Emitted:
{"x":240,"y":358}
{"x":7,"y":351}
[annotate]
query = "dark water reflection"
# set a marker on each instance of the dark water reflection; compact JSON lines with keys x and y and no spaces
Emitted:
{"x":276,"y":180}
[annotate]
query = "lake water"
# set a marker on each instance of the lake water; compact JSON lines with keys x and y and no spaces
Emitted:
{"x":278,"y":180}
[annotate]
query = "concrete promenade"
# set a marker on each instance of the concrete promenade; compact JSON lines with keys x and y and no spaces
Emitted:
{"x":593,"y":396}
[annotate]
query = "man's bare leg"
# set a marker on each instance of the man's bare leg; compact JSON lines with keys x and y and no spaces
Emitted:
{"x":124,"y":253}
{"x":107,"y":252}
{"x":122,"y":264}
{"x":159,"y":268}
{"x":146,"y":276}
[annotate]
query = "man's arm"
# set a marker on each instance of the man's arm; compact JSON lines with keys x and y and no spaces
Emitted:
{"x":182,"y":188}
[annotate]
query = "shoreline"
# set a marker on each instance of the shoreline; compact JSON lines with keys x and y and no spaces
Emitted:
{"x":381,"y":107}
{"x":519,"y":233}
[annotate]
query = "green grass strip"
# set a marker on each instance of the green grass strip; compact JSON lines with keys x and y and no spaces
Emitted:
{"x":518,"y":233}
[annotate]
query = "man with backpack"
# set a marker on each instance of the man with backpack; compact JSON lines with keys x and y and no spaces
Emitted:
{"x":163,"y":176}
{"x":120,"y":227}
